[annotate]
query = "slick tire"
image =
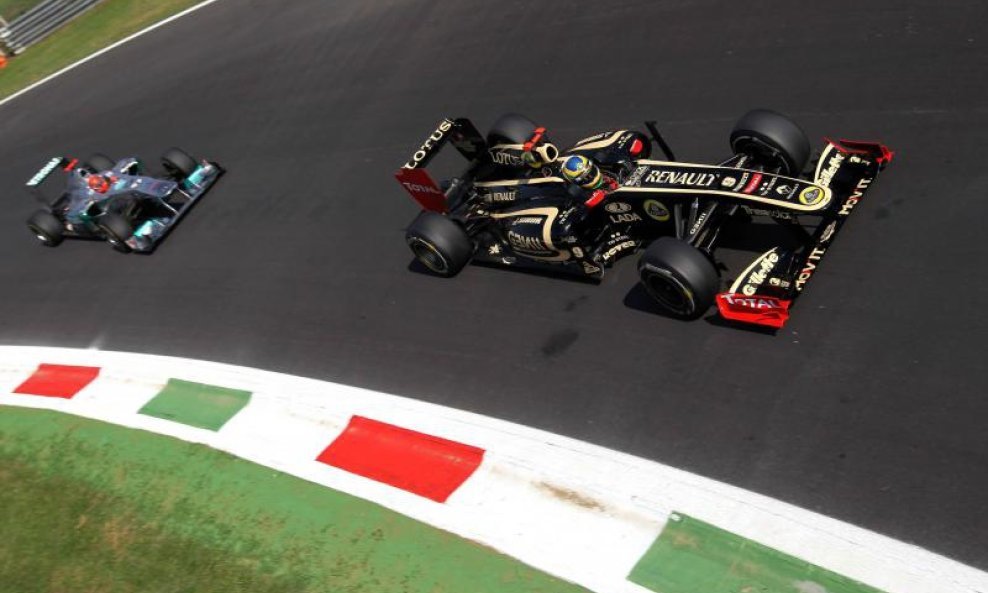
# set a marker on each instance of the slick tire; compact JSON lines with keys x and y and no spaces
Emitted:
{"x":46,"y":227}
{"x":178,"y":162}
{"x":99,"y":163}
{"x":511,"y":128}
{"x":439,"y":244}
{"x":772,"y":139}
{"x":678,"y":277}
{"x":116,"y":229}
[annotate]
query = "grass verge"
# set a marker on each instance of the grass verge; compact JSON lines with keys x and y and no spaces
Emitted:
{"x":11,"y":9}
{"x":89,"y":506}
{"x":106,"y":23}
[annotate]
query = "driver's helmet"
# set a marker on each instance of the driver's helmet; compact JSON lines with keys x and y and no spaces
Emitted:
{"x":582,"y":171}
{"x":98,"y":183}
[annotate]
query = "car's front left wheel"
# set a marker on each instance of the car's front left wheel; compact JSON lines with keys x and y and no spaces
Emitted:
{"x":178,"y":162}
{"x":439,"y":243}
{"x":772,"y":138}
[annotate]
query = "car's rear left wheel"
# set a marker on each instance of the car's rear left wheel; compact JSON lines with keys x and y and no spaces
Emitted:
{"x":511,"y":128}
{"x":99,"y":162}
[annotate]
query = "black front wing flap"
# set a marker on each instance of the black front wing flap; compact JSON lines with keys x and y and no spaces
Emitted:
{"x":765,"y":290}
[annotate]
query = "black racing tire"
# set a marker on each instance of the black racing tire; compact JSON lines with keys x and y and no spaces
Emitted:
{"x":511,"y":128}
{"x":679,"y":277}
{"x":772,"y":138}
{"x":439,"y":243}
{"x":116,"y":229}
{"x":99,"y":162}
{"x":47,"y":228}
{"x":178,"y":162}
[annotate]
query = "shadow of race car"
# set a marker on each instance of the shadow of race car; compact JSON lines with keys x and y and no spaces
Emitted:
{"x":522,"y":202}
{"x":117,"y":201}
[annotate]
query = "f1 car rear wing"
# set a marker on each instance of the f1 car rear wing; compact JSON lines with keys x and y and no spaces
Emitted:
{"x":35,"y":184}
{"x":763,"y":293}
{"x":416,"y":180}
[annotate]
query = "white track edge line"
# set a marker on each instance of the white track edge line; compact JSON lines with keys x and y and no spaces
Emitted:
{"x":106,"y":49}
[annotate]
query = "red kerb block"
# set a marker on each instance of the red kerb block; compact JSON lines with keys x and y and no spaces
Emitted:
{"x":423,"y":464}
{"x":56,"y":380}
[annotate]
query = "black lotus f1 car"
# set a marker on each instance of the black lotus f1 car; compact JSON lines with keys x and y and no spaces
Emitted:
{"x":518,"y":204}
{"x":116,"y":201}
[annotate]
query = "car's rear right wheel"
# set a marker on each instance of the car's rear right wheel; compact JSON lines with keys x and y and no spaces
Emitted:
{"x":439,"y":243}
{"x":46,"y":227}
{"x":117,"y":230}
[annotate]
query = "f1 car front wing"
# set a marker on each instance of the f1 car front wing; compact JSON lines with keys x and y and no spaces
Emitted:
{"x":765,"y":290}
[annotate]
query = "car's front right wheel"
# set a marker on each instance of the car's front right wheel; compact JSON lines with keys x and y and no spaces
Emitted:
{"x":679,"y":277}
{"x":439,"y":243}
{"x":116,"y":229}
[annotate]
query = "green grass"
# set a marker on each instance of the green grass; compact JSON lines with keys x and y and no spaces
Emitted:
{"x":88,"y":506}
{"x":97,"y":28}
{"x":11,"y":9}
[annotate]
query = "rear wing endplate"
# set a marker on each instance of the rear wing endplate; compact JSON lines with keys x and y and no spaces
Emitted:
{"x":412,"y":176}
{"x":37,"y":181}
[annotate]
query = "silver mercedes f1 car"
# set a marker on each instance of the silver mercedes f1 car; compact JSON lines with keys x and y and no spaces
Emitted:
{"x":117,"y":201}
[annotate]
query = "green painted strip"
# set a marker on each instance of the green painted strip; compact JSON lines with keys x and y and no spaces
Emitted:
{"x":691,"y":556}
{"x":196,"y":404}
{"x":89,"y":506}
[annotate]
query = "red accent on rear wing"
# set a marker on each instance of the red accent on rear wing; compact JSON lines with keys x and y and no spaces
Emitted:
{"x":423,"y":189}
{"x":412,"y":176}
{"x":757,"y":310}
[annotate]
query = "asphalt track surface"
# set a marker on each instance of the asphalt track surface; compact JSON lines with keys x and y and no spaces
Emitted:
{"x":869,"y":406}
